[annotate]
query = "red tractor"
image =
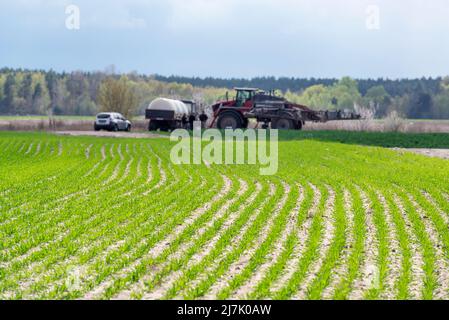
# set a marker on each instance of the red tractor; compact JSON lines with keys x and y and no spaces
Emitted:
{"x":268,"y":108}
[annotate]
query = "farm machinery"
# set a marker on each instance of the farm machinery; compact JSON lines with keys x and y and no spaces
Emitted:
{"x":267,"y":108}
{"x":249,"y":103}
{"x":167,"y":114}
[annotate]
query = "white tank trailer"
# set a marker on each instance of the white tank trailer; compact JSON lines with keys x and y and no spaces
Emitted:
{"x":166,"y":114}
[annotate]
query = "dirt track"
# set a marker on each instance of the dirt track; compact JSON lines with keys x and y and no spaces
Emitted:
{"x":111,"y":134}
{"x":434,"y":153}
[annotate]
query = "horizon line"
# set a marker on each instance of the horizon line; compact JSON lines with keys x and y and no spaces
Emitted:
{"x":135,"y":72}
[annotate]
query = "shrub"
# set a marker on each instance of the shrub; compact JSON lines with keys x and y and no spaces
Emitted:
{"x":393,"y":122}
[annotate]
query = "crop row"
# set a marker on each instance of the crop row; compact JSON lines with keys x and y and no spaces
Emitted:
{"x":92,"y":218}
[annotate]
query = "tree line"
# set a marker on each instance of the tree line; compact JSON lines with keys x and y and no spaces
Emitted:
{"x":40,"y":92}
{"x":393,"y":87}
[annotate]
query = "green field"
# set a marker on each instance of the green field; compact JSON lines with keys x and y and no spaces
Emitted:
{"x":380,"y":139}
{"x":102,"y":218}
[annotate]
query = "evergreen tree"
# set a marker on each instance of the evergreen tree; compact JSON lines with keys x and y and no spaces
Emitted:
{"x":10,"y":93}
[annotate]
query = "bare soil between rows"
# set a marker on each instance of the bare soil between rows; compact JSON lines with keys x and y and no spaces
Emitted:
{"x":433,"y":153}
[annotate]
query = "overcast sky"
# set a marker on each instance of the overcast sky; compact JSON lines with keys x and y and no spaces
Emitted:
{"x":230,"y":38}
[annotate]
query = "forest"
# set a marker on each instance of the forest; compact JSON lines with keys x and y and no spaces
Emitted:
{"x":42,"y":92}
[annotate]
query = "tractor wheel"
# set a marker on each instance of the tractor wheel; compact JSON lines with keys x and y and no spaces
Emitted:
{"x":153,"y":126}
{"x":229,"y":120}
{"x":283,"y":124}
{"x":164,"y":126}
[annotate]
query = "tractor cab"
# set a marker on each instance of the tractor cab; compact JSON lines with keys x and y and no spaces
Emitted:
{"x":244,"y":96}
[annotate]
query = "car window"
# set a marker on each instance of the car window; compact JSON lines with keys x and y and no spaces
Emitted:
{"x":103,"y":116}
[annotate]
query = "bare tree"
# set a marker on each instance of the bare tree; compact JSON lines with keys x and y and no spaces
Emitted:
{"x":117,"y":96}
{"x":367,"y":117}
{"x":393,"y":122}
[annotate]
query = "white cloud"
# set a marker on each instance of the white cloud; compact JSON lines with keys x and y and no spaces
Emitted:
{"x":199,"y":13}
{"x":116,"y":19}
{"x":286,"y":16}
{"x":114,"y":15}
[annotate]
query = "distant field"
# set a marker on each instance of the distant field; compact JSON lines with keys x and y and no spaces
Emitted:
{"x":381,"y":139}
{"x":90,"y":118}
{"x":89,"y":217}
{"x":9,"y":118}
{"x":407,"y":125}
{"x":82,"y":123}
{"x":60,"y":123}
